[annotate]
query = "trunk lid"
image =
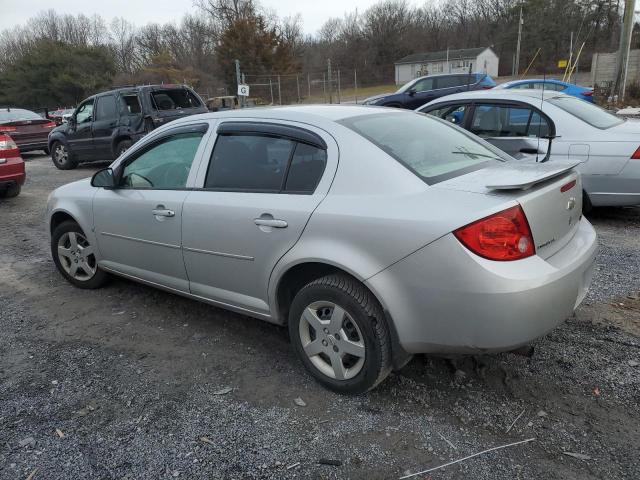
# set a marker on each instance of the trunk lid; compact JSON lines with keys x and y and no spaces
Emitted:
{"x":550,"y":195}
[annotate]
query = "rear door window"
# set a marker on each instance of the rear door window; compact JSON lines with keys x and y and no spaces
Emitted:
{"x":508,"y":121}
{"x":448,"y":81}
{"x":262,"y":163}
{"x":106,"y":108}
{"x":174,"y":98}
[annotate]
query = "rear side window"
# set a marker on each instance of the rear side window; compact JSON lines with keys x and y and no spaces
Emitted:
{"x":106,"y":108}
{"x":430,"y":148}
{"x":260,"y":163}
{"x":171,"y":99}
{"x":448,"y":82}
{"x":131,"y":104}
{"x":506,"y":121}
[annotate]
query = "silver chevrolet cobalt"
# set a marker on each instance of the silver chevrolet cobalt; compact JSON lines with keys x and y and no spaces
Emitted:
{"x":372,"y":233}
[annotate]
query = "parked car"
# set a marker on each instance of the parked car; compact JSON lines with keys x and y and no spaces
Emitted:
{"x":424,"y":89}
{"x":531,"y":125}
{"x":61,"y":115}
{"x":372,"y":233}
{"x":218,"y":104}
{"x":583,"y":93}
{"x":12,"y":173}
{"x":28,"y":129}
{"x":105,"y":125}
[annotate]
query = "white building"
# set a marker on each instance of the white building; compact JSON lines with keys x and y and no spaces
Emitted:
{"x":481,"y":59}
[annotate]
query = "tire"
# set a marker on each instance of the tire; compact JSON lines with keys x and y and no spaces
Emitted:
{"x":587,"y":207}
{"x":361,"y":329}
{"x":10,"y":192}
{"x":87,"y":273}
{"x":122,"y":146}
{"x":62,"y":157}
{"x":46,"y":151}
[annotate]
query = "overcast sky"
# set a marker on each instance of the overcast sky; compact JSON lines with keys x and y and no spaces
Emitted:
{"x":314,"y":12}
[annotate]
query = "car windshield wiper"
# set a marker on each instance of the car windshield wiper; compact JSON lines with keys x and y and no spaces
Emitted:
{"x":476,"y":154}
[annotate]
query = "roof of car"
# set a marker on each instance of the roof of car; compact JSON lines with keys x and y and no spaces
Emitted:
{"x":503,"y":94}
{"x":299,"y":113}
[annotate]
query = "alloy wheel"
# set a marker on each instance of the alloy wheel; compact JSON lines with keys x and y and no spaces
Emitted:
{"x":76,"y":256}
{"x":332,"y":340}
{"x":61,"y":154}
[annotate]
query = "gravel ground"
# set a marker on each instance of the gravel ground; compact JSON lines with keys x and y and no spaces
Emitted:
{"x":130,"y":382}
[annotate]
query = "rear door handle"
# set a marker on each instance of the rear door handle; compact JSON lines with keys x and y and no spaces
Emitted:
{"x":270,"y":222}
{"x":160,"y":211}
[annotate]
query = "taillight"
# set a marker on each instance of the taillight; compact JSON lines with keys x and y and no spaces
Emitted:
{"x":7,"y":128}
{"x":636,"y":154}
{"x":8,"y":148}
{"x":587,"y":93}
{"x":48,"y":125}
{"x":568,"y":186}
{"x":502,"y":236}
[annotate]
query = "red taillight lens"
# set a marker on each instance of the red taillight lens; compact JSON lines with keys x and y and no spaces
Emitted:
{"x":636,"y":154}
{"x":48,"y":125}
{"x":568,"y":186}
{"x":7,"y":128}
{"x":8,"y":148}
{"x":588,"y":93}
{"x":502,"y":236}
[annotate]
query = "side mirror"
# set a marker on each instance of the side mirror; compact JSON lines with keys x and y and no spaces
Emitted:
{"x":103,"y":179}
{"x":411,"y":92}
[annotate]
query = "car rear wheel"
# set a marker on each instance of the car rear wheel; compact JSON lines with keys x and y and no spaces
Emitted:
{"x":338,"y":331}
{"x":11,"y":191}
{"x":122,"y":147}
{"x":75,"y":257}
{"x":61,"y":156}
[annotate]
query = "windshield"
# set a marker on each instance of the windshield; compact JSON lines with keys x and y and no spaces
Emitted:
{"x":587,"y":112}
{"x":18,"y":114}
{"x":431,"y":148}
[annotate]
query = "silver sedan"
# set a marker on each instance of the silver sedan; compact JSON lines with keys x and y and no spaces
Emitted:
{"x":547,"y":125}
{"x":372,"y":233}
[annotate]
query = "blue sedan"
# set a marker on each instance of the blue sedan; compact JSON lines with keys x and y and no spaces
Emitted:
{"x":582,"y":93}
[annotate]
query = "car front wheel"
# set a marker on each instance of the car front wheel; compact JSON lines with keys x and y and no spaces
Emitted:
{"x":61,"y":156}
{"x":75,"y":257}
{"x":338,"y":331}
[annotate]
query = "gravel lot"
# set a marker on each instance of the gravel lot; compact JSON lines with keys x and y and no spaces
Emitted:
{"x":129,"y":382}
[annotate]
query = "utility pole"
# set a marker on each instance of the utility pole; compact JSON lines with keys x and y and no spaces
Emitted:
{"x":355,"y":83}
{"x":622,"y":62}
{"x":298,"y":86}
{"x":238,"y":80}
{"x":520,"y":22}
{"x":330,"y":80}
{"x":339,"y":92}
{"x":570,"y":54}
{"x":279,"y":92}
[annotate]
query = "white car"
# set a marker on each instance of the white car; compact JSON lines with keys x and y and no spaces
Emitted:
{"x":549,"y":126}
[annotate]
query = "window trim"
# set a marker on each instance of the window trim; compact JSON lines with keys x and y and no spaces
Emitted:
{"x":256,"y":129}
{"x":119,"y":169}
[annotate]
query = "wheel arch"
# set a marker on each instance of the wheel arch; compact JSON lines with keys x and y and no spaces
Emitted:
{"x":296,"y":276}
{"x":119,"y":138}
{"x":58,"y":217}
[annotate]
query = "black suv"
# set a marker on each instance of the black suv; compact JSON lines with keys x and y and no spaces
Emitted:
{"x":105,"y":125}
{"x":422,"y":90}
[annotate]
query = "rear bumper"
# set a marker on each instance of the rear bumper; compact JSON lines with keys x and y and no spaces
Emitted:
{"x":619,"y":190}
{"x":12,"y":172}
{"x":444,"y":299}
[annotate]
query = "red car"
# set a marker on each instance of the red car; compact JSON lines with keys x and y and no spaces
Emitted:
{"x":12,"y":173}
{"x":28,"y":129}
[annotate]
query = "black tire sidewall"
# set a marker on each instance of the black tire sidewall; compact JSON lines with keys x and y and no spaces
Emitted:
{"x":100,"y":276}
{"x":368,"y":376}
{"x":122,"y":146}
{"x":69,"y":164}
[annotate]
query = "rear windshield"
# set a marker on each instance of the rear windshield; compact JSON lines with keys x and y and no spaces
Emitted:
{"x":433,"y":149}
{"x":171,"y":99}
{"x":18,"y":114}
{"x":587,"y":112}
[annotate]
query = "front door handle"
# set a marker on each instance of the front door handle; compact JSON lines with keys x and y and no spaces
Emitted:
{"x":270,"y":222}
{"x":160,"y":211}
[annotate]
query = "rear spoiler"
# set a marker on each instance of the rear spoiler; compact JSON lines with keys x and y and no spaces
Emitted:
{"x":524,"y":175}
